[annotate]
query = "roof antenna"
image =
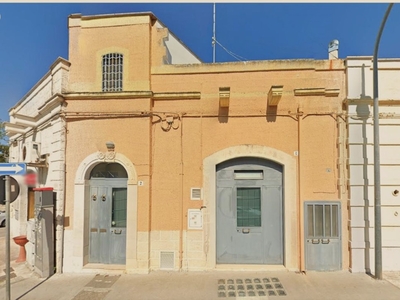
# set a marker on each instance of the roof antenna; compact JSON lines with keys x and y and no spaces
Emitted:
{"x":213,"y":38}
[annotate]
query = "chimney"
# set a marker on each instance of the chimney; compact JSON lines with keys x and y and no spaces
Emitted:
{"x":333,"y":49}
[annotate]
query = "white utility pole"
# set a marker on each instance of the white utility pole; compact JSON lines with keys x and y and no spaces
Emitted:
{"x":213,"y":39}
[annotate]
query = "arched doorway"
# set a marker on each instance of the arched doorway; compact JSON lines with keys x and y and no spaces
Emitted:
{"x":108,"y":214}
{"x":249,"y":212}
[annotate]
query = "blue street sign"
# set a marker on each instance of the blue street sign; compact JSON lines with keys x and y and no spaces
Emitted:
{"x":13,"y":169}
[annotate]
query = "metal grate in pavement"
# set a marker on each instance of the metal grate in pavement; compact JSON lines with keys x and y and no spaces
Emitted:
{"x":250,"y":287}
{"x":102,"y":281}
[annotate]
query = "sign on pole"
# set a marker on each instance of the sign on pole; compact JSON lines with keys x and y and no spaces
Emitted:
{"x":13,"y":169}
{"x":8,"y":169}
{"x":14,"y":191}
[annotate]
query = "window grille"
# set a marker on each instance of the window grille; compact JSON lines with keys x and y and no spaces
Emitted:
{"x":112,"y":72}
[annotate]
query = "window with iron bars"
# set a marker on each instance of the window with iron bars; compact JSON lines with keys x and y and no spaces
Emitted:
{"x":112,"y":72}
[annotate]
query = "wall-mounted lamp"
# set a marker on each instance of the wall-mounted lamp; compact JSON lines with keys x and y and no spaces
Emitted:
{"x":110,"y":146}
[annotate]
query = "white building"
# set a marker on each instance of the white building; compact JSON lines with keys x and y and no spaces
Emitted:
{"x":37,"y":137}
{"x":361,"y":162}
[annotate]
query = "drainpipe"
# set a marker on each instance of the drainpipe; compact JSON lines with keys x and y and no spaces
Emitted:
{"x":182,"y":200}
{"x":61,"y":219}
{"x":377,"y":170}
{"x":300,"y":207}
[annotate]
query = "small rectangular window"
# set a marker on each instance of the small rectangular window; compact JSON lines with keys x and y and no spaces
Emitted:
{"x":249,"y":174}
{"x":112,"y":68}
{"x":119,"y":197}
{"x":248,"y":207}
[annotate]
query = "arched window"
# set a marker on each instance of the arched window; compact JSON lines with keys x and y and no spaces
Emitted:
{"x":112,"y":70}
{"x":108,"y":170}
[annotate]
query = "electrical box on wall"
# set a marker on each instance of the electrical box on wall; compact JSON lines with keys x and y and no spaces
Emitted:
{"x":195,"y":219}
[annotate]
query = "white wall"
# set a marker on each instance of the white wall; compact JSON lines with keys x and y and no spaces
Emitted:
{"x":48,"y":130}
{"x":361,"y":162}
{"x":177,"y":52}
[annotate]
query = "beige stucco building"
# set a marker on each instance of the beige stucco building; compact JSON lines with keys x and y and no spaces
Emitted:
{"x":171,"y":163}
{"x":218,"y":160}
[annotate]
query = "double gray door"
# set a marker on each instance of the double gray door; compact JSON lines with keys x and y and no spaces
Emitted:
{"x":107,"y":224}
{"x":249,"y":212}
{"x":323,"y":236}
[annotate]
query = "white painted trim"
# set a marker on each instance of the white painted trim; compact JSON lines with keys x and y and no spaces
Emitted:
{"x":291,"y":239}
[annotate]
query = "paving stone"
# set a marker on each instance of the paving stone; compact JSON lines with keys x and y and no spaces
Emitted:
{"x":271,"y":293}
{"x":241,"y":294}
{"x":261,"y":293}
{"x":281,"y":292}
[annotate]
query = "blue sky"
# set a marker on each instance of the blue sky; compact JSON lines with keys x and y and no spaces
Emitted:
{"x":33,"y":35}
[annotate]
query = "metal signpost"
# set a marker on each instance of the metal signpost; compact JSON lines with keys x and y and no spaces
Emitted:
{"x":7,"y":170}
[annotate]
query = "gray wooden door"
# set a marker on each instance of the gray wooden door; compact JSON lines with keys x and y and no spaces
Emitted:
{"x":107,"y":224}
{"x":323,"y":236}
{"x":249,"y":212}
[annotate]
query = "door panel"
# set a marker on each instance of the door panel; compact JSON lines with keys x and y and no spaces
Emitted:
{"x":272,"y":216}
{"x":225,"y":225}
{"x":118,"y":226}
{"x":107,"y":224}
{"x":323,"y":239}
{"x":249,"y":212}
{"x":248,"y":236}
{"x":94,"y":237}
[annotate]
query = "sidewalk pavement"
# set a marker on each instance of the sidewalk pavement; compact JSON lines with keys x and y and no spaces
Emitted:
{"x":219,"y":285}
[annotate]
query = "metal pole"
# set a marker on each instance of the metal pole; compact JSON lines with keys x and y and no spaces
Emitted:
{"x":377,"y":167}
{"x":8,"y":196}
{"x":213,"y":41}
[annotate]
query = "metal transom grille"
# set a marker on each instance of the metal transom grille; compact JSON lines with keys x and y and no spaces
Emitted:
{"x":323,"y":220}
{"x":112,"y":72}
{"x":167,"y":260}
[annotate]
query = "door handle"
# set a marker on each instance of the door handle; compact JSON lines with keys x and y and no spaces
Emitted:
{"x":94,"y":197}
{"x":245,"y":230}
{"x":325,"y":241}
{"x":315,"y":241}
{"x":117,"y":232}
{"x":103,"y":197}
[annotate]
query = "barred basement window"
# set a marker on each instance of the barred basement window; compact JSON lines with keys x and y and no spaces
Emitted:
{"x":112,"y":72}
